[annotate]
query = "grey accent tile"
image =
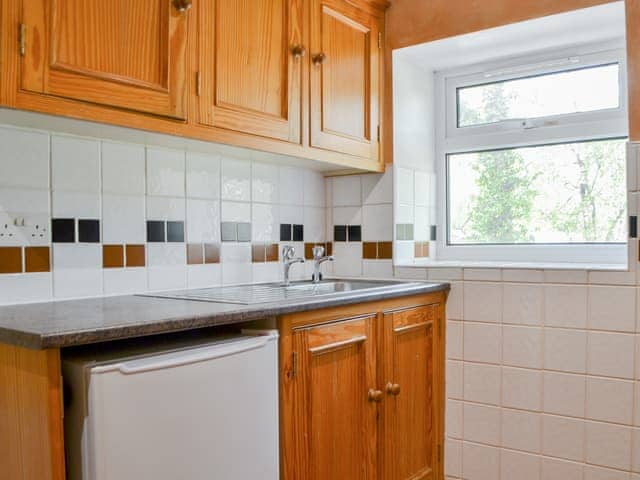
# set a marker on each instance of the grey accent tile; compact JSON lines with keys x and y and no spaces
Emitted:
{"x":244,"y":232}
{"x":229,"y":232}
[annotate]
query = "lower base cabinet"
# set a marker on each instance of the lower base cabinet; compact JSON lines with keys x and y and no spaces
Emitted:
{"x":362,"y":392}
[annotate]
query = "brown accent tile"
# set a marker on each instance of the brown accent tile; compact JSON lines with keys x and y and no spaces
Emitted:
{"x":195,"y":255}
{"x":369,"y":250}
{"x":10,"y":259}
{"x":112,"y":256}
{"x":135,"y":256}
{"x":385,"y":250}
{"x":273,"y":252}
{"x":211,"y":253}
{"x":328,"y":248}
{"x":308,"y":250}
{"x":258,"y":253}
{"x":37,"y":259}
{"x":421,"y":249}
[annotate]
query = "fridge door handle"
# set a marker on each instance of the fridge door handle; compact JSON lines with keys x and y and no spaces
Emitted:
{"x":187,"y":357}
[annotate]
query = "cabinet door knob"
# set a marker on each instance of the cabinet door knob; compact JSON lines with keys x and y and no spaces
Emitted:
{"x":182,"y":5}
{"x":319,"y":59}
{"x":375,"y":395}
{"x":393,"y":389}
{"x":298,"y":51}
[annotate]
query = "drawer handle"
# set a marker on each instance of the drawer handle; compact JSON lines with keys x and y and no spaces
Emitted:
{"x":375,"y":395}
{"x":182,"y":5}
{"x":334,"y":345}
{"x":393,"y":389}
{"x":408,"y":328}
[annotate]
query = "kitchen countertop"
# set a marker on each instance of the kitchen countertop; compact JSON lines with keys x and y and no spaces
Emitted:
{"x":79,"y":322}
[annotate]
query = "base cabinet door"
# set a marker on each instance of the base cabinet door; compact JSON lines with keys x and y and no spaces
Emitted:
{"x":251,"y":57}
{"x":334,"y":401}
{"x":127,"y":54}
{"x":412,"y":370}
{"x":344,"y":79}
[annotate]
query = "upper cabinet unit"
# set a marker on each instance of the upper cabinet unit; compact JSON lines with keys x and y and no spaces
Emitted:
{"x":344,"y":79}
{"x":119,"y":53}
{"x":250,"y":73}
{"x":301,"y":78}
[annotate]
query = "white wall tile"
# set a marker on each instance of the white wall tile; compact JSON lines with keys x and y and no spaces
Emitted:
{"x":265,"y":225}
{"x":453,"y":420}
{"x":348,"y":259}
{"x":482,"y":274}
{"x":266,"y":272}
{"x":454,"y":340}
{"x":162,"y":254}
{"x":521,"y":430}
{"x":565,"y":350}
{"x":347,"y":216}
{"x":65,"y":204}
{"x":377,"y":223}
{"x":77,"y":270}
{"x":563,"y":437}
{"x":453,"y":458}
{"x":564,"y":394}
{"x":480,"y":462}
{"x":609,"y":400}
{"x":166,"y":277}
{"x":24,"y":158}
{"x":522,"y":304}
{"x":202,"y":276}
{"x":292,"y":184}
{"x":556,"y":469}
{"x":203,"y":176}
{"x":314,"y":224}
{"x":483,"y":302}
{"x":123,"y":168}
{"x":236,"y":180}
{"x":166,"y":208}
{"x":236,"y":263}
{"x":522,"y":276}
{"x":600,"y":473}
{"x":265,"y":183}
{"x":522,"y":346}
{"x":294,"y":214}
{"x":314,"y":189}
{"x":165,"y":172}
{"x":610,"y":354}
{"x":26,"y":287}
{"x":347,"y":191}
{"x":119,"y":281}
{"x":455,"y":301}
{"x":481,"y":424}
{"x":608,"y":445}
{"x":482,"y":383}
{"x":75,"y":164}
{"x":482,"y":342}
{"x":612,"y":308}
{"x":566,"y":306}
{"x":522,"y":466}
{"x":203,"y":221}
{"x":421,"y":188}
{"x":381,"y":269}
{"x":454,"y":379}
{"x":404,"y":185}
{"x":521,"y":388}
{"x":123,"y":219}
{"x":377,"y":188}
{"x":235,"y":212}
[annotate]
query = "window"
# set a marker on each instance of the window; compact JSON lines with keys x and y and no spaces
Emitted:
{"x":532,"y":161}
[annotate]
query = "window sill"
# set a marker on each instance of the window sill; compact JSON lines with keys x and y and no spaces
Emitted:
{"x":515,"y":265}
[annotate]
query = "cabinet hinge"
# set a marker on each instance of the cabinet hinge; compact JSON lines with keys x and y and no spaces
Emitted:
{"x":378,"y":133}
{"x":379,"y":40}
{"x":198,"y":84}
{"x":294,"y":364}
{"x":22,"y":39}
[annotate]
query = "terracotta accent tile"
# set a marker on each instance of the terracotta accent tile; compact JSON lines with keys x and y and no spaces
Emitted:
{"x":385,"y":250}
{"x":329,"y":248}
{"x":211,"y":253}
{"x":37,"y":259}
{"x":273,"y":252}
{"x":135,"y":256}
{"x":369,"y":250}
{"x":195,"y":255}
{"x":258,"y":253}
{"x":10,"y":260}
{"x":308,"y":251}
{"x":112,"y":256}
{"x":421,"y":249}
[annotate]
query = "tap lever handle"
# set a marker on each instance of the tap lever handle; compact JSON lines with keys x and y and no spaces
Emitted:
{"x":318,"y":251}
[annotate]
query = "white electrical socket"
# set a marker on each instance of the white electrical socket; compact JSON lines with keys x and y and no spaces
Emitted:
{"x":24,"y":230}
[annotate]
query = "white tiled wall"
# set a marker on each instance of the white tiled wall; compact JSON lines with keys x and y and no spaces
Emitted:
{"x":44,"y":175}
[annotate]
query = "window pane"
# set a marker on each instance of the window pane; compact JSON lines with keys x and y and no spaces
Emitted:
{"x":569,"y":193}
{"x":584,"y":90}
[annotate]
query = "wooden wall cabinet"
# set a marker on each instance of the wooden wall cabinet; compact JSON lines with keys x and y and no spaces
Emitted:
{"x":116,"y":52}
{"x":292,"y":77}
{"x":362,"y":392}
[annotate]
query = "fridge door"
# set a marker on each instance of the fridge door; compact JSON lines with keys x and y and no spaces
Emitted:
{"x":202,"y":414}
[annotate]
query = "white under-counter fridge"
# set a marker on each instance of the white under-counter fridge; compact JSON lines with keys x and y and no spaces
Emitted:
{"x":207,"y":410}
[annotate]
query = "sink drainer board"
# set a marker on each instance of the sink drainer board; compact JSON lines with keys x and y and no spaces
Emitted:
{"x":268,"y":292}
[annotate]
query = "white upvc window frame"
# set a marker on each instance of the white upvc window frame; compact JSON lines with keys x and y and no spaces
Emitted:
{"x":575,"y":127}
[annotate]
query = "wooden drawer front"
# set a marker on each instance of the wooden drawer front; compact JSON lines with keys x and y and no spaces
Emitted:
{"x":413,"y":318}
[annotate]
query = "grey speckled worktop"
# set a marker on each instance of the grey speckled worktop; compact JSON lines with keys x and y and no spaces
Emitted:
{"x":80,"y":322}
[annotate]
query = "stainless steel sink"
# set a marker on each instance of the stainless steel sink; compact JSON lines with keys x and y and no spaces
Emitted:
{"x":273,"y":292}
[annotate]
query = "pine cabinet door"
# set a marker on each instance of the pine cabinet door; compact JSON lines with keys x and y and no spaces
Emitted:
{"x":251,"y":58}
{"x":412,"y":370}
{"x":336,"y":400}
{"x":120,"y":53}
{"x":344,"y":79}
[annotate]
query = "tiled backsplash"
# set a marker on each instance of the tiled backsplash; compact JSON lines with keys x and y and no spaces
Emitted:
{"x":85,"y":217}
